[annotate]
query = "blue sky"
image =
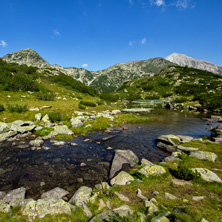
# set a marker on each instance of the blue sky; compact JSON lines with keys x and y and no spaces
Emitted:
{"x":96,"y":34}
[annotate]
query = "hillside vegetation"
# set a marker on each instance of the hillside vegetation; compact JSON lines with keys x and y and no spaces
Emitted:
{"x":179,"y":83}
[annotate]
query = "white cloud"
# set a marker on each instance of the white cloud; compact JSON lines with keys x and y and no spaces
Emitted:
{"x":3,"y":43}
{"x":56,"y":32}
{"x":130,"y":43}
{"x":85,"y":65}
{"x":157,"y":2}
{"x":182,"y":3}
{"x":143,"y":41}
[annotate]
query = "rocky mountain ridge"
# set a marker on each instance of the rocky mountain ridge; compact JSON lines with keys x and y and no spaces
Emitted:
{"x":109,"y":79}
{"x":184,"y":60}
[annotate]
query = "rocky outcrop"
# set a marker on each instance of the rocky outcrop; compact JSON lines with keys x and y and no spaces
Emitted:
{"x":122,"y":157}
{"x":207,"y":175}
{"x":183,"y":60}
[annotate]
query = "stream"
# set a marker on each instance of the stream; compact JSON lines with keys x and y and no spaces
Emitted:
{"x":41,"y":170}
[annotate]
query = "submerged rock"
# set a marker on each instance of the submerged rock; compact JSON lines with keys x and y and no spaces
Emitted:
{"x":36,"y":142}
{"x":122,"y":157}
{"x":122,"y":178}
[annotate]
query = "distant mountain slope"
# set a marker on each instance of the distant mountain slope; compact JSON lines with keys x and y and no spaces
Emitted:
{"x":106,"y":80}
{"x":110,"y":79}
{"x":27,"y":57}
{"x":184,"y":60}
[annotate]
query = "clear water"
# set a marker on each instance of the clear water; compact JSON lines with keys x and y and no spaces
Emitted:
{"x":60,"y":166}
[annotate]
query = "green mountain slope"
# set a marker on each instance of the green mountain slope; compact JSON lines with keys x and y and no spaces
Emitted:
{"x":179,"y":83}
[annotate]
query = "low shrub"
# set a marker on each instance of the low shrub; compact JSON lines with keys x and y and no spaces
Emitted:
{"x":87,"y":103}
{"x":55,"y":116}
{"x":2,"y":108}
{"x":109,"y":97}
{"x":47,"y":96}
{"x":152,"y":97}
{"x":82,"y":106}
{"x":17,"y":108}
{"x":181,"y":99}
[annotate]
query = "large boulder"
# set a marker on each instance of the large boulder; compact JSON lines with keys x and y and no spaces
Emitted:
{"x":207,"y":175}
{"x":122,"y":157}
{"x":22,"y":127}
{"x":203,"y":155}
{"x":56,"y":193}
{"x":150,"y":170}
{"x":52,"y":206}
{"x":36,"y":142}
{"x":4,"y":128}
{"x":61,"y":130}
{"x":81,"y":196}
{"x":122,"y":178}
{"x":15,"y":195}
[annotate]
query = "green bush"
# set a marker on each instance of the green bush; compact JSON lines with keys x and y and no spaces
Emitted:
{"x":153,"y":97}
{"x":2,"y":108}
{"x":82,"y":106}
{"x":17,"y":108}
{"x":181,"y":99}
{"x":55,"y":116}
{"x":47,"y":96}
{"x":133,"y":97}
{"x":109,"y":97}
{"x":87,"y":103}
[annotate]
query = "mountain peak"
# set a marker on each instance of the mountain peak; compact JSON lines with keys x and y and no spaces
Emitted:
{"x":184,"y":60}
{"x":27,"y":56}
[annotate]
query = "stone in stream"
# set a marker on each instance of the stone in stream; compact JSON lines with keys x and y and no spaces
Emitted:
{"x":15,"y":195}
{"x":108,"y":137}
{"x":207,"y":175}
{"x":58,"y":143}
{"x":56,"y":193}
{"x":169,"y":139}
{"x":166,"y":147}
{"x":121,"y":158}
{"x":122,"y":178}
{"x":36,"y":142}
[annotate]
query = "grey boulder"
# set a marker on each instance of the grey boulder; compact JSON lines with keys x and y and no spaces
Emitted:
{"x":122,"y":157}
